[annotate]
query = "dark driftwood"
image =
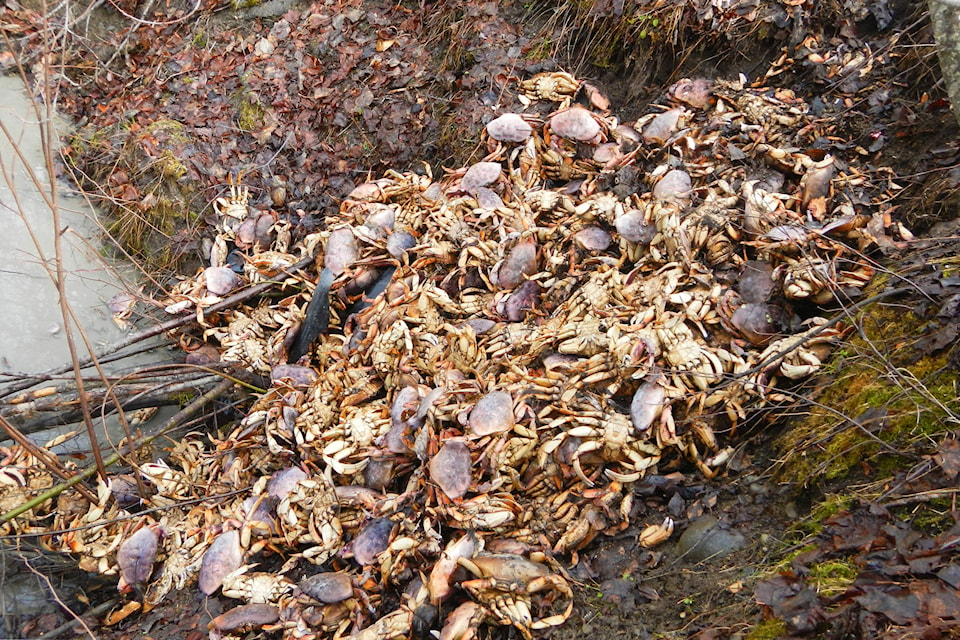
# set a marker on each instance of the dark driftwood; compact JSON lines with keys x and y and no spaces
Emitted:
{"x":42,"y":409}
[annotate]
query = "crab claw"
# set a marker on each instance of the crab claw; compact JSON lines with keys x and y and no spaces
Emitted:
{"x":656,"y":533}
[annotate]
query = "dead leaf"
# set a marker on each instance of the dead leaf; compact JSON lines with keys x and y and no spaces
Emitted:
{"x":948,"y":457}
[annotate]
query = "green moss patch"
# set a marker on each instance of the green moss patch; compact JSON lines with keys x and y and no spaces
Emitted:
{"x":883,"y":397}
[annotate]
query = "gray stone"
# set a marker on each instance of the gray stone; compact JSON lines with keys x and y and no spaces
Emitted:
{"x":704,"y":539}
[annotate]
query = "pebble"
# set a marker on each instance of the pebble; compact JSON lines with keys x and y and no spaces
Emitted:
{"x":703,"y":539}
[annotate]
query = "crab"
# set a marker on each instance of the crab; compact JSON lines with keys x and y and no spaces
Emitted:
{"x":256,"y":588}
{"x":242,"y":341}
{"x":601,"y":206}
{"x":671,"y":241}
{"x":819,"y":279}
{"x":609,"y":433}
{"x":267,"y":265}
{"x":656,"y":533}
{"x":549,"y":201}
{"x":603,"y":289}
{"x":796,"y":356}
{"x":185,"y":551}
{"x":308,"y":515}
{"x":698,"y":305}
{"x":504,"y":585}
{"x":231,"y":210}
{"x":690,"y":358}
{"x":344,"y":446}
{"x":711,"y":229}
{"x":556,"y":86}
{"x":558,"y":165}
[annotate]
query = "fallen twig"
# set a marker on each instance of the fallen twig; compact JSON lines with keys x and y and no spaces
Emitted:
{"x":50,"y":408}
{"x":172,"y":423}
{"x":155,"y":330}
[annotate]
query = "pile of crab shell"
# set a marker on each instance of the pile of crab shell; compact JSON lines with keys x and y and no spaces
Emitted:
{"x":478,"y":367}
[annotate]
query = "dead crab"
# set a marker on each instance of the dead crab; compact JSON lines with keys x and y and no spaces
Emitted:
{"x":611,"y":435}
{"x":504,"y":585}
{"x":256,"y":588}
{"x":797,"y":356}
{"x":819,"y":279}
{"x":308,"y":515}
{"x":242,"y":341}
{"x":231,"y":210}
{"x":556,"y":86}
{"x":690,"y":358}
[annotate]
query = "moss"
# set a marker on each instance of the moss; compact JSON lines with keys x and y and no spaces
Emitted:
{"x":541,"y":50}
{"x":250,"y":111}
{"x":170,"y":166}
{"x":933,"y":517}
{"x":832,"y":577}
{"x":172,"y":132}
{"x":826,"y":508}
{"x":240,"y":5}
{"x":199,"y":39}
{"x":908,"y":395}
{"x":768,"y":630}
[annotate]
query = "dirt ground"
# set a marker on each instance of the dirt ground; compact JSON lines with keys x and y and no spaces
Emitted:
{"x":184,"y":101}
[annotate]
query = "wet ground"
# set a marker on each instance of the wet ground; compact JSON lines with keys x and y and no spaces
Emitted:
{"x":425,"y":96}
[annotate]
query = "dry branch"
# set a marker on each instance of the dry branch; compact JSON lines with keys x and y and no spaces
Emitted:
{"x":151,"y":332}
{"x":180,"y":418}
{"x":48,"y":407}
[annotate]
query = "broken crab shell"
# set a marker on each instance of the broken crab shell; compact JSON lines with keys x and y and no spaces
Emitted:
{"x":399,"y":243}
{"x":441,"y":576}
{"x":136,"y":555}
{"x":520,"y":262}
{"x":756,"y":282}
{"x":480,"y":175}
{"x":341,"y":250}
{"x":493,"y":413}
{"x":758,"y":323}
{"x":245,"y":615}
{"x":647,"y":404}
{"x":282,"y":482}
{"x":222,"y":558}
{"x":372,"y":540}
{"x":220,"y":280}
{"x":656,"y":533}
{"x":633,"y":227}
{"x":509,"y":127}
{"x":592,"y":239}
{"x":328,"y":587}
{"x":696,"y":92}
{"x":294,"y":374}
{"x":575,"y":123}
{"x":450,"y":468}
{"x":674,"y":185}
{"x":662,"y":127}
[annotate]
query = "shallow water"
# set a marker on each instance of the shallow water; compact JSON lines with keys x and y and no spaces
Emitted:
{"x":32,"y":337}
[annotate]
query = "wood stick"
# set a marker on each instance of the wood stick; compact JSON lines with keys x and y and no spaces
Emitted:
{"x":185,"y":414}
{"x":156,"y":330}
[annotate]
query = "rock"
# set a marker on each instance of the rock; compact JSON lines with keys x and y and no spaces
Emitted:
{"x":705,"y":539}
